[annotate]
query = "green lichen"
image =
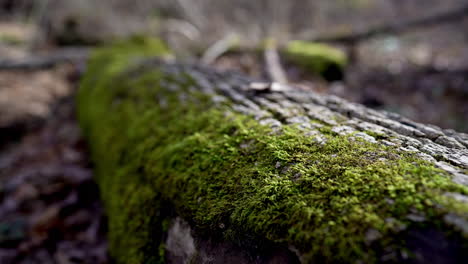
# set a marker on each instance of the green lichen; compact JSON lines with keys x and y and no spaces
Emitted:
{"x":235,"y":179}
{"x":320,"y":59}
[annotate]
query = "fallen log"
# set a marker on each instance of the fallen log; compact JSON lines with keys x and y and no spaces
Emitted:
{"x":198,"y":166}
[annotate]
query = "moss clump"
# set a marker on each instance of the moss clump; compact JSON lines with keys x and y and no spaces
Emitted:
{"x":320,"y":59}
{"x":229,"y":176}
{"x":134,"y":209}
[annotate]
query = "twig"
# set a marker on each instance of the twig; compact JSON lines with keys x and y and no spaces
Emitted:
{"x":273,"y":64}
{"x":218,"y":48}
{"x":46,"y":61}
{"x":39,"y":12}
{"x":183,"y":27}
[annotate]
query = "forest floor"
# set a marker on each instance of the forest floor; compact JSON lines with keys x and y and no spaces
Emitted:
{"x":50,"y":210}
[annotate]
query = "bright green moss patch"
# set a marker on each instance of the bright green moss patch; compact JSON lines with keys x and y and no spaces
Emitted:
{"x":231,"y":177}
{"x":320,"y":59}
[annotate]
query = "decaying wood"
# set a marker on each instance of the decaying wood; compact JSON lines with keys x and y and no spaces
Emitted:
{"x":444,"y":147}
{"x":277,"y":106}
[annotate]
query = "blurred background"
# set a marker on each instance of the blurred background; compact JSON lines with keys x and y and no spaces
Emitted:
{"x":404,"y":56}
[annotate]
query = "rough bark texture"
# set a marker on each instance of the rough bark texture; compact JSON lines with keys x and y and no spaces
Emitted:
{"x":197,"y":166}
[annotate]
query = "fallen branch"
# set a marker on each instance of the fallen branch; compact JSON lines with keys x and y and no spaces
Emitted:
{"x":273,"y":63}
{"x":40,"y":62}
{"x":218,"y":48}
{"x":397,"y":27}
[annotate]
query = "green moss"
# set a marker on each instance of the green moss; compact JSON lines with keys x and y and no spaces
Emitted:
{"x":134,"y":208}
{"x":376,"y":135}
{"x":233,"y":178}
{"x":320,"y":59}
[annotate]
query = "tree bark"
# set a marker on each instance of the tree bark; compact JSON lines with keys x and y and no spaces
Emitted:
{"x":277,"y":126}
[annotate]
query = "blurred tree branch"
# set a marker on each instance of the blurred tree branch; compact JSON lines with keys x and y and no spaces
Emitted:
{"x":39,"y":11}
{"x":449,"y":16}
{"x":273,"y":63}
{"x":72,"y":55}
{"x":219,"y":48}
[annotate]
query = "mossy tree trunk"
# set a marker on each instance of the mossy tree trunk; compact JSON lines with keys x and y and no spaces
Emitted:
{"x":200,"y":166}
